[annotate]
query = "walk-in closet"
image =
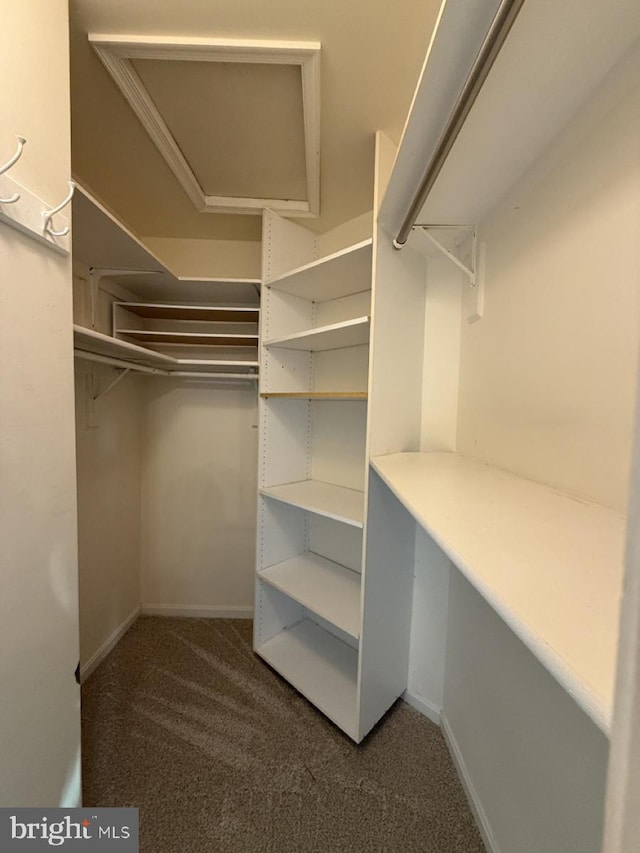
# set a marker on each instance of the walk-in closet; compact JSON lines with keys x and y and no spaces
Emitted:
{"x":319,"y":352}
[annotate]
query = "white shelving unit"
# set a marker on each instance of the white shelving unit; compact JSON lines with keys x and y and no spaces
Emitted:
{"x":315,"y":617}
{"x":547,"y":563}
{"x":164,"y":321}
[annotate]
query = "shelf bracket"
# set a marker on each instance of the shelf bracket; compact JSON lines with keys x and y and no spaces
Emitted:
{"x":123,"y":372}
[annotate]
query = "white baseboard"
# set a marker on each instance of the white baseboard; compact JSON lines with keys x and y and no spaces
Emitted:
{"x":425,"y":707}
{"x":110,"y":643}
{"x":196,"y":611}
{"x":472,"y":795}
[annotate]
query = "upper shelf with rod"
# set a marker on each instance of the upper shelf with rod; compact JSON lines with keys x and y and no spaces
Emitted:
{"x":522,"y":105}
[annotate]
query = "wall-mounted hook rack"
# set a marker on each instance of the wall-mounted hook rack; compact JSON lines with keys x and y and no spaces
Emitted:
{"x":26,"y":212}
{"x":12,"y":199}
{"x":49,"y":214}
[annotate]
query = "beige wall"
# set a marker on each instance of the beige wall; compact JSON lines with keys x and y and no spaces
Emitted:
{"x":39,"y":711}
{"x":199,"y":498}
{"x":109,"y":458}
{"x":208,"y":258}
{"x":547,"y":380}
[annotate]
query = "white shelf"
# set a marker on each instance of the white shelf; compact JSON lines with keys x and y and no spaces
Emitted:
{"x":523,"y":105}
{"x":321,"y":667}
{"x":327,"y":588}
{"x":345,"y":505}
{"x":315,"y":395}
{"x":348,"y":333}
{"x":550,"y":565}
{"x":89,"y":340}
{"x":203,"y":313}
{"x":191,"y":338}
{"x":340,"y":274}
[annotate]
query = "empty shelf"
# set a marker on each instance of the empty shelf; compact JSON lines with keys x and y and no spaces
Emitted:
{"x":315,"y":395}
{"x":340,"y":274}
{"x":550,"y":565}
{"x":321,"y":667}
{"x":207,"y":313}
{"x":191,"y":338}
{"x":345,"y":505}
{"x":348,"y":333}
{"x":89,"y":340}
{"x":327,"y":588}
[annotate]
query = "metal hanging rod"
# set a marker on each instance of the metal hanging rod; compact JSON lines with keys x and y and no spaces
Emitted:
{"x":491,"y":46}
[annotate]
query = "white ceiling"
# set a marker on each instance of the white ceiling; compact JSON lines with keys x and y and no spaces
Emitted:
{"x":371,"y":57}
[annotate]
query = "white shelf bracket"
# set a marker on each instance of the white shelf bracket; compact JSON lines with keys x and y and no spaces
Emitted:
{"x":425,"y":231}
{"x":124,"y":371}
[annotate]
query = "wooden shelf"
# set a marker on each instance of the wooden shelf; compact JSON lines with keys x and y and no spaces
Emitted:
{"x":89,"y":340}
{"x":549,"y":564}
{"x":190,"y":338}
{"x":315,"y":395}
{"x":345,"y":505}
{"x":348,"y":333}
{"x":321,"y":667}
{"x":206,"y":313}
{"x":340,"y":274}
{"x":327,"y":588}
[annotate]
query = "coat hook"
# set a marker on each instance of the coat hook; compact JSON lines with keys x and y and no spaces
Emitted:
{"x":16,"y":196}
{"x":49,"y":214}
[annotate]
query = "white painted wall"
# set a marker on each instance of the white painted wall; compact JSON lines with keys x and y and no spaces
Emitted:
{"x":199,"y":498}
{"x":39,"y":712}
{"x":109,"y":444}
{"x":547,"y":380}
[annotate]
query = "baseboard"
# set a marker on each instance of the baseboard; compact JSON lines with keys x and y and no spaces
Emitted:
{"x":427,"y":708}
{"x":472,"y":795}
{"x":110,"y":643}
{"x":196,"y":611}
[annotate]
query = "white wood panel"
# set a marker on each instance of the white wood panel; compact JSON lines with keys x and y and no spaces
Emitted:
{"x":340,"y":274}
{"x":550,"y":565}
{"x":344,"y":308}
{"x":338,"y":432}
{"x":348,"y":333}
{"x":166,"y":310}
{"x":315,"y":395}
{"x":321,"y":667}
{"x":282,"y":532}
{"x":274,"y":612}
{"x":327,"y":588}
{"x":286,"y":441}
{"x":285,"y":245}
{"x":387,"y":582}
{"x":397,"y":343}
{"x":345,"y":505}
{"x":341,"y":370}
{"x":341,"y":543}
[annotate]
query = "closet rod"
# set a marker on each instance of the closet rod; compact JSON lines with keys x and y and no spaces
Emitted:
{"x":489,"y":50}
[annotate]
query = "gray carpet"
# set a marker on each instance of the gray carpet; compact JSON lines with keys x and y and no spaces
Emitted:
{"x":221,"y":754}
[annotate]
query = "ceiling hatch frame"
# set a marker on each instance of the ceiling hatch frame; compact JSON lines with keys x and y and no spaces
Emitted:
{"x":116,"y":53}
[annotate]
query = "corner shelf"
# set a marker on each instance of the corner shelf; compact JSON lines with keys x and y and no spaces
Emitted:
{"x":549,"y":564}
{"x":328,"y":589}
{"x":326,"y":499}
{"x":321,"y":667}
{"x":189,"y":311}
{"x":348,"y":333}
{"x":154,"y":336}
{"x":349,"y":273}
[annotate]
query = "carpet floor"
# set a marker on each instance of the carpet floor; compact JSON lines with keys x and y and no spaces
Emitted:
{"x":220,"y":754}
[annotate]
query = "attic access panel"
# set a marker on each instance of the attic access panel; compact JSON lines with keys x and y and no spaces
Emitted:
{"x":238,"y":122}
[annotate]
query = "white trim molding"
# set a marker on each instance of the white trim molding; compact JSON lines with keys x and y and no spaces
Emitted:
{"x":116,"y":53}
{"x":197,"y":611}
{"x":428,"y":709}
{"x":109,"y":644}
